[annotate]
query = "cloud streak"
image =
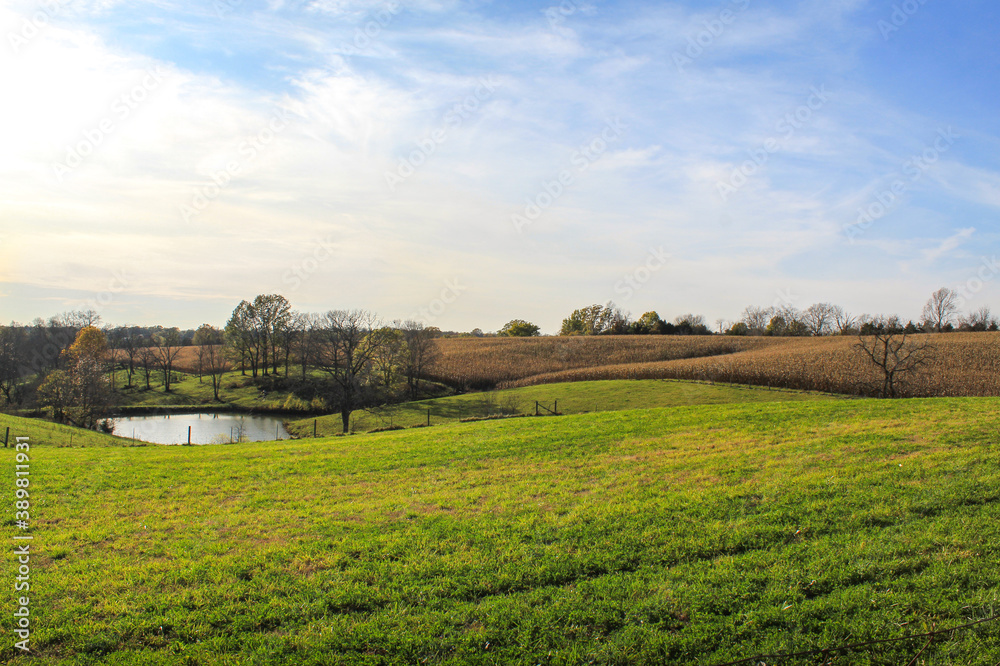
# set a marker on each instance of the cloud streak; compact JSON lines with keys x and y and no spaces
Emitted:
{"x":260,"y":191}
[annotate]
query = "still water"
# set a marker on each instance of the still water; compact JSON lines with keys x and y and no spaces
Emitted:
{"x":206,"y":428}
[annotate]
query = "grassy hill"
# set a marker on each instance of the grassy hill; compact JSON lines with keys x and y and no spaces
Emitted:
{"x":685,"y":535}
{"x":237,"y":392}
{"x":569,"y":398}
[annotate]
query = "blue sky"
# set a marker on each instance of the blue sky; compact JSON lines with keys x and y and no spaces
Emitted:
{"x":467,"y":163}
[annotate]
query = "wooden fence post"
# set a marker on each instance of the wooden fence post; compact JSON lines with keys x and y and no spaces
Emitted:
{"x":6,"y":438}
{"x":314,"y":428}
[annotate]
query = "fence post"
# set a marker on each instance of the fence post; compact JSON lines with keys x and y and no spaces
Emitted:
{"x":536,"y":408}
{"x":428,"y":416}
{"x":314,"y":428}
{"x":555,"y":408}
{"x":6,"y":438}
{"x":189,"y":435}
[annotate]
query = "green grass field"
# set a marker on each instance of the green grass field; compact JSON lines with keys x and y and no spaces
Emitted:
{"x":188,"y":391}
{"x":682,"y":535}
{"x":569,"y":398}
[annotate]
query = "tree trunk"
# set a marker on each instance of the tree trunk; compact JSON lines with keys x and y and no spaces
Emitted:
{"x":345,"y":416}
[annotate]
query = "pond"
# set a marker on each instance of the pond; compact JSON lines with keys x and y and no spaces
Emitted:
{"x":206,"y":428}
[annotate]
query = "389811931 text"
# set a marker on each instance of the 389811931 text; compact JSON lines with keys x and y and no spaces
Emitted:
{"x":22,"y":547}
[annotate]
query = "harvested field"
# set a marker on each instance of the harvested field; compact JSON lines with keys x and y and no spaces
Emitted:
{"x":187,"y":359}
{"x":483,"y":363}
{"x":964,"y":364}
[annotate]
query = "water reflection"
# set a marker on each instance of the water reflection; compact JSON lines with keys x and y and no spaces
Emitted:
{"x":205,"y":428}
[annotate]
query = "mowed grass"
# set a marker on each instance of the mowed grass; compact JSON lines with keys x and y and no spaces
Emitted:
{"x":568,"y":398}
{"x":690,"y":535}
{"x":56,"y":434}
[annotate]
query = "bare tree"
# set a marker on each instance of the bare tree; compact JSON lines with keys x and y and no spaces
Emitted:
{"x":979,"y":320}
{"x":421,"y":353}
{"x":349,"y":342}
{"x":304,"y":336}
{"x":788,"y":312}
{"x":147,"y":360}
{"x":819,"y":318}
{"x":80,"y":319}
{"x":689,"y":319}
{"x":216,"y":362}
{"x":757,"y":318}
{"x":204,"y":337}
{"x":786,"y":319}
{"x":894,"y":353}
{"x":843,"y":320}
{"x":126,"y":341}
{"x":941,"y":308}
{"x":620,"y":321}
{"x":168,"y":347}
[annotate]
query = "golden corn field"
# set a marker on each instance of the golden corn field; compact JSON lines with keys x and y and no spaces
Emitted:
{"x":963,"y":364}
{"x":478,"y":363}
{"x":187,"y":360}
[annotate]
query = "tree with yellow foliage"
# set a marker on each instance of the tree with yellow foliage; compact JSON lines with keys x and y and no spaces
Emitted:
{"x":81,"y":393}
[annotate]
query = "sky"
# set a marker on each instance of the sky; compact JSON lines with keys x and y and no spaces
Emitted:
{"x":468,"y":163}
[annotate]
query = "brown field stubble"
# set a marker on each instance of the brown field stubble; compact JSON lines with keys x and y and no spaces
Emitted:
{"x":187,"y":360}
{"x":478,"y":363}
{"x":963,"y":364}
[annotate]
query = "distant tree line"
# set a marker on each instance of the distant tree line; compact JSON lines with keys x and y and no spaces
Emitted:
{"x":337,"y":361}
{"x":607,"y":319}
{"x":72,"y":365}
{"x":345,"y":360}
{"x":941,"y":314}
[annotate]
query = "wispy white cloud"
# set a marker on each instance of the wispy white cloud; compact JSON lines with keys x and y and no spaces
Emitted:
{"x":348,"y":117}
{"x":949,"y":244}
